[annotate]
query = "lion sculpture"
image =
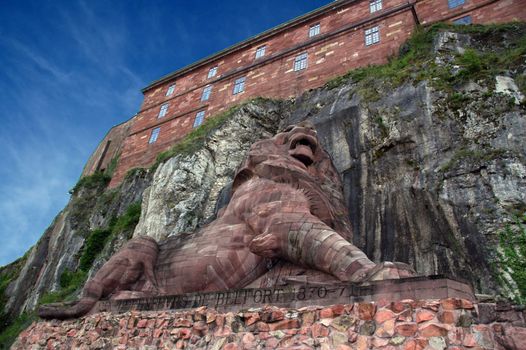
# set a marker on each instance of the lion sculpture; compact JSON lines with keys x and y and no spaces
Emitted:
{"x":286,"y":208}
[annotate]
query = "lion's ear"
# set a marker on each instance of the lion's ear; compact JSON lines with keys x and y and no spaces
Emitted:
{"x":242,"y":176}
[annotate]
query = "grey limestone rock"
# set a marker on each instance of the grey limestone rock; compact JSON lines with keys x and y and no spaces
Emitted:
{"x":184,"y":190}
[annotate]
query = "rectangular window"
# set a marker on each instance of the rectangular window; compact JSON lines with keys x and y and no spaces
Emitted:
{"x":212,"y":72}
{"x":375,"y":5}
{"x":372,"y":36}
{"x":454,"y":3}
{"x":463,"y":20}
{"x":314,"y":30}
{"x":239,"y":85}
{"x":199,"y":117}
{"x":260,"y":52}
{"x":170,"y":90}
{"x":300,"y":62}
{"x":163,"y":110}
{"x":206,"y":93}
{"x":154,"y":135}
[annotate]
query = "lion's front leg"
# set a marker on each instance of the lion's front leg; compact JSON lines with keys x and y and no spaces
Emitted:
{"x":285,"y":228}
{"x":304,"y":239}
{"x":267,"y":245}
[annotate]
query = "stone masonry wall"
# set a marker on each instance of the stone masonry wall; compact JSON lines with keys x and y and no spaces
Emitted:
{"x":109,"y":148}
{"x":481,"y":11}
{"x":408,"y":324}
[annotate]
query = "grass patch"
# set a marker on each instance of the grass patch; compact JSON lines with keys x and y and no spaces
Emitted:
{"x":128,"y":220}
{"x":94,"y":181}
{"x":9,"y":328}
{"x":9,"y":334}
{"x":512,"y":257}
{"x":416,"y":62}
{"x":112,"y":166}
{"x":384,"y":130}
{"x":457,"y":100}
{"x":72,"y":281}
{"x":521,"y":83}
{"x":133,"y":172}
{"x":97,"y":239}
{"x":93,"y":245}
{"x":195,"y":139}
{"x":398,"y":69}
{"x":475,"y":156}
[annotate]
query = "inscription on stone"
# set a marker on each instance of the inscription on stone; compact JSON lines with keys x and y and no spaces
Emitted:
{"x":415,"y":288}
{"x":232,"y":298}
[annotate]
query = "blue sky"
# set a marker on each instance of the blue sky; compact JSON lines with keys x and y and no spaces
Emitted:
{"x":70,"y":70}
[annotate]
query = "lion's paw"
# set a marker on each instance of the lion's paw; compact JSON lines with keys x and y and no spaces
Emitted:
{"x":266,"y":245}
{"x":387,"y":271}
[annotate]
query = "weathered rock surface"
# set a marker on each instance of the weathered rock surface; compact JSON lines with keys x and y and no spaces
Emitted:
{"x":417,"y":172}
{"x":184,"y":190}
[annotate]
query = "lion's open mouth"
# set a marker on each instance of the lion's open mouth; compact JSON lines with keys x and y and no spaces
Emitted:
{"x":303,"y":147}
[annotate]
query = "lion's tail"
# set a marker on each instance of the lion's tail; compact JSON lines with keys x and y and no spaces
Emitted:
{"x":91,"y":294}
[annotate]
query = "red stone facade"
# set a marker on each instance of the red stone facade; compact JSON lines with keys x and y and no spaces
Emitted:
{"x":340,"y":45}
{"x":108,"y":150}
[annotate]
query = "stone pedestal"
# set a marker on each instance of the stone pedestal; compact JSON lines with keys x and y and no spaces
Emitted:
{"x":407,"y":324}
{"x":300,"y":295}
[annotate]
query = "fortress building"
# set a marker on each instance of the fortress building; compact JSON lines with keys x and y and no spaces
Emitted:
{"x":281,"y":62}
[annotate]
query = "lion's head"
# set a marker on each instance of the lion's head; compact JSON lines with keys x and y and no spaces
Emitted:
{"x":295,"y":156}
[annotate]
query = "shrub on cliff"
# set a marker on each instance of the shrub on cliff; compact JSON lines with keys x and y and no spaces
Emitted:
{"x":512,"y":256}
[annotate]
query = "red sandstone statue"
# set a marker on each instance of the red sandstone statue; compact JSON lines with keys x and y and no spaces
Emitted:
{"x":287,"y":205}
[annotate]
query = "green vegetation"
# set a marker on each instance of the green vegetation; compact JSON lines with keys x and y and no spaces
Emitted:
{"x":93,"y":245}
{"x":9,"y":334}
{"x":97,"y":239}
{"x":128,"y":220}
{"x":195,"y":139}
{"x":397,"y":70}
{"x":72,"y":281}
{"x":112,"y":166}
{"x":97,"y":180}
{"x":512,"y":256}
{"x":9,"y":329}
{"x":416,"y":62}
{"x":384,"y":130}
{"x":475,"y":156}
{"x":457,"y":100}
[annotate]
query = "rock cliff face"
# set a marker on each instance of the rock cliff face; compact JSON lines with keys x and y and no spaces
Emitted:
{"x":185,"y":189}
{"x":415,"y":173}
{"x":431,"y":174}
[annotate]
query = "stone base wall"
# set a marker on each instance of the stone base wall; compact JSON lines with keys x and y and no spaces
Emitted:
{"x":408,"y":324}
